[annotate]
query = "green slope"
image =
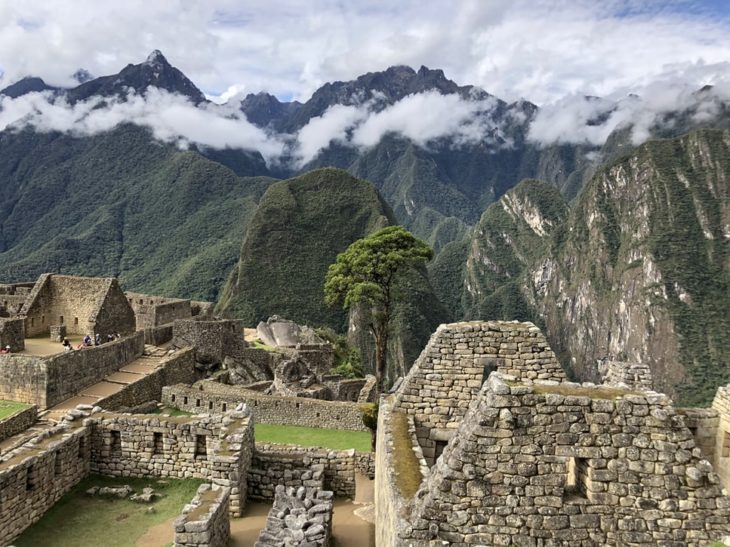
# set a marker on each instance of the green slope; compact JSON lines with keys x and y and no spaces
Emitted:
{"x":163,"y":220}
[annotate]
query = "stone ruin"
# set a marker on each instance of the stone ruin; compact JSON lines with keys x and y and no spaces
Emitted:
{"x":623,"y":374}
{"x":300,"y":516}
{"x":499,"y":449}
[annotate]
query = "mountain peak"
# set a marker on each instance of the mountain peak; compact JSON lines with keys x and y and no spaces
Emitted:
{"x":156,"y":58}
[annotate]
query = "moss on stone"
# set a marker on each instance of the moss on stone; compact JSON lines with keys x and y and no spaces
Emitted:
{"x":405,"y":463}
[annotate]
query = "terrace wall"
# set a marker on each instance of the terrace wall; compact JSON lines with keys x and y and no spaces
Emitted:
{"x":20,"y":421}
{"x":269,"y":409}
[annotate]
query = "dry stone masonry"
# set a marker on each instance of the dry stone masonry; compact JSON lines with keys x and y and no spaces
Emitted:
{"x":300,"y":516}
{"x":205,"y":521}
{"x":623,"y":374}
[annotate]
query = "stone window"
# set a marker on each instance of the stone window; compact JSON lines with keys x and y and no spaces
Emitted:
{"x":43,"y":319}
{"x":82,"y":447}
{"x":224,"y":406}
{"x":32,"y":321}
{"x":576,"y":484}
{"x":115,"y":446}
{"x":439,"y":449}
{"x":60,"y":319}
{"x":197,"y":402}
{"x":210,"y":405}
{"x":156,"y":443}
{"x":297,"y":405}
{"x":76,"y":321}
{"x":185,"y":400}
{"x":725,"y":453}
{"x":57,"y":465}
{"x":201,"y":446}
{"x":30,"y":478}
{"x":490,"y":367}
{"x":172,"y":397}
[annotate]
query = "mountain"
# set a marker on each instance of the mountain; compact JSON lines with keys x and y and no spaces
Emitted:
{"x":637,"y":270}
{"x":155,"y":71}
{"x":299,"y":227}
{"x":120,"y":203}
{"x":26,"y":85}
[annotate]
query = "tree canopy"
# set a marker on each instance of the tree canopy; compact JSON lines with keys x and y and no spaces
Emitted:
{"x":364,"y":274}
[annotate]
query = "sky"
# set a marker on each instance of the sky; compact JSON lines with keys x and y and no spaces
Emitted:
{"x":540,"y":50}
{"x":643,"y":58}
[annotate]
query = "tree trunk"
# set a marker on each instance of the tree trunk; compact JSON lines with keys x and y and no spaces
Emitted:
{"x":381,"y":348}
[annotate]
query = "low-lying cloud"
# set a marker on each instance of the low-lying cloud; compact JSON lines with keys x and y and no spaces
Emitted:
{"x":170,"y":117}
{"x":589,"y":120}
{"x":423,"y":118}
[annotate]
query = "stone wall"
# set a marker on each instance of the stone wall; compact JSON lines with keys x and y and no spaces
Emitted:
{"x":451,"y":369}
{"x":86,"y":305}
{"x":20,"y":421}
{"x":12,"y":333}
{"x":71,"y":371}
{"x":212,"y":340}
{"x":156,"y":336}
{"x":216,"y":448}
{"x":205,"y":521}
{"x":206,"y":396}
{"x":178,"y":367}
{"x":721,"y":404}
{"x":299,"y":516}
{"x":703,"y":424}
{"x":514,"y":470}
{"x":153,"y":311}
{"x":23,"y":379}
{"x":620,"y":373}
{"x":365,"y":464}
{"x":34,"y":477}
{"x":300,"y":466}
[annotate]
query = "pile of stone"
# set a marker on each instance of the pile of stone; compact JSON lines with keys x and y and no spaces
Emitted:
{"x":301,"y":516}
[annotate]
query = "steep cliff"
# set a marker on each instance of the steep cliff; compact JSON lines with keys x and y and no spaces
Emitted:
{"x":641,"y":271}
{"x":512,"y":235}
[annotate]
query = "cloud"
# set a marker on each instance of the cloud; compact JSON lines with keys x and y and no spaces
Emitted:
{"x":541,"y":50}
{"x":171,"y":118}
{"x":422,"y":118}
{"x":583,"y":120}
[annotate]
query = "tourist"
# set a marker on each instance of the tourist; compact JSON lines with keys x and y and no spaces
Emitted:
{"x":87,"y":340}
{"x":109,"y":337}
{"x":6,"y":349}
{"x":97,"y":339}
{"x":67,"y":345}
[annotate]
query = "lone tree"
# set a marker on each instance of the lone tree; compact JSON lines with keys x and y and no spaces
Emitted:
{"x":364,"y":275}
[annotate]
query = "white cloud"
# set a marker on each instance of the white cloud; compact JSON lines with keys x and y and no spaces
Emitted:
{"x":578,"y":119}
{"x":172,"y":118}
{"x":538,"y":49}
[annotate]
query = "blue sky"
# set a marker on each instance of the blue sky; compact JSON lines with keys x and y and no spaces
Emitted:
{"x":542,"y":50}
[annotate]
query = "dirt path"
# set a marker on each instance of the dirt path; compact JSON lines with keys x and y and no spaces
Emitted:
{"x":158,"y":535}
{"x":245,"y":530}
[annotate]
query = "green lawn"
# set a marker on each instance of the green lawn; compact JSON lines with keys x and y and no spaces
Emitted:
{"x":10,"y":407}
{"x":89,"y":521}
{"x":335,"y":439}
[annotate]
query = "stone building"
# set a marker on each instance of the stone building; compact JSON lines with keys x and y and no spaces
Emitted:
{"x":530,"y":459}
{"x":84,"y":305}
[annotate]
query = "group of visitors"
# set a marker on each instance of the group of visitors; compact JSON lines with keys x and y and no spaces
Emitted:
{"x":88,"y":341}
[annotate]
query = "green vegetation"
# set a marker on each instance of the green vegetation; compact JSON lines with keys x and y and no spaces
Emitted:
{"x":8,"y":408}
{"x":365,"y":276}
{"x":297,"y":230}
{"x":83,"y":520}
{"x":165,"y":221}
{"x":406,"y":466}
{"x":335,"y":439}
{"x":348,"y":362}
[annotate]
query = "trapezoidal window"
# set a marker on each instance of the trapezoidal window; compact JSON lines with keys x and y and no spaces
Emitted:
{"x":76,"y":321}
{"x":576,"y":483}
{"x":157,"y":443}
{"x":115,"y":444}
{"x":60,"y":319}
{"x":201,"y":446}
{"x":490,"y":367}
{"x":439,"y":449}
{"x":725,"y":452}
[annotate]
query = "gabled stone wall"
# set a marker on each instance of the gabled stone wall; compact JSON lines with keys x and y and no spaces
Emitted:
{"x":451,"y":369}
{"x":506,"y":476}
{"x":721,"y":404}
{"x":205,"y":521}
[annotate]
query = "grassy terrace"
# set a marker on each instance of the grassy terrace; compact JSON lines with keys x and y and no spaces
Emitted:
{"x":335,"y":439}
{"x":8,"y":408}
{"x":84,"y":521}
